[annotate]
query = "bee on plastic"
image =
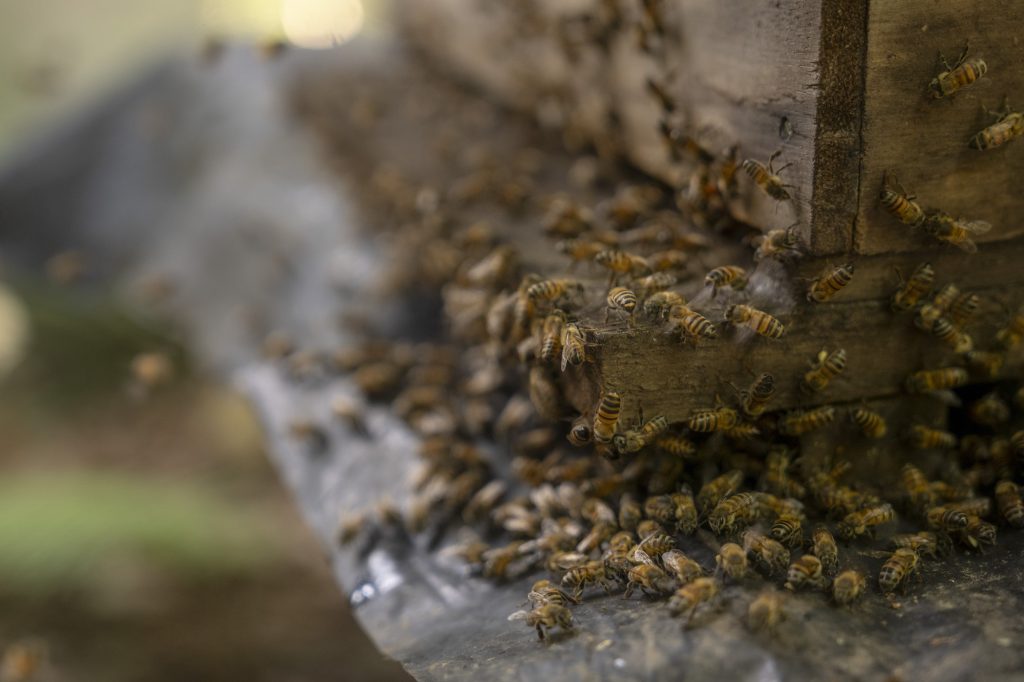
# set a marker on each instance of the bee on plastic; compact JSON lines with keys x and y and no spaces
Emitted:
{"x":767,"y":177}
{"x":606,"y":418}
{"x":788,"y":529}
{"x":779,"y":244}
{"x":590,"y":573}
{"x":765,"y":613}
{"x":691,"y":323}
{"x":899,"y":204}
{"x":733,"y":513}
{"x":717,"y":489}
{"x":805,"y":572}
{"x":551,"y":343}
{"x":767,"y":555}
{"x":871,"y":424}
{"x":574,"y":350}
{"x":827,"y":286}
{"x":689,"y":597}
{"x":897,"y":569}
{"x":864,"y":521}
{"x":731,"y":276}
{"x":925,"y":438}
{"x":824,"y":547}
{"x":946,"y":518}
{"x":545,"y":617}
{"x":675,"y":445}
{"x":580,"y":433}
{"x":635,"y":440}
{"x":800,"y":422}
{"x":732,"y":561}
{"x":988,"y":362}
{"x":1009,"y":502}
{"x":961,"y":74}
{"x":761,"y":322}
{"x":755,"y":399}
{"x":684,"y":569}
{"x":914,"y":289}
{"x":1009,"y":337}
{"x":956,"y":231}
{"x":1009,"y":125}
{"x":622,"y":299}
{"x":847,"y":587}
{"x":717,"y":419}
{"x":828,"y":366}
{"x":989,"y":410}
{"x":936,"y":379}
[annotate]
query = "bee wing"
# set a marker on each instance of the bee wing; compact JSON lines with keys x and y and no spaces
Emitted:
{"x":519,"y":615}
{"x":977,"y":226}
{"x":642,"y":557}
{"x":967,"y":246}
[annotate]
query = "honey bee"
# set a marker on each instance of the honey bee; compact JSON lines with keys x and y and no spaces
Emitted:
{"x":742,"y":431}
{"x":691,"y":323}
{"x":788,"y":529}
{"x":551,"y":290}
{"x":914,"y":289}
{"x":661,"y":508}
{"x":565,"y":561}
{"x":925,"y":438}
{"x":622,"y":263}
{"x":621,"y":298}
{"x":505,"y":562}
{"x":1009,"y":502}
{"x":947,"y":519}
{"x":923,"y":543}
{"x":936,"y":379}
{"x":778,"y":244}
{"x":755,"y":399}
{"x":551,"y":343}
{"x":765,"y":613}
{"x":690,"y":596}
{"x":654,"y":545}
{"x":684,"y":569}
{"x":1008,"y":126}
{"x":767,"y":555}
{"x":685,"y":512}
{"x":764,"y":324}
{"x":731,"y":276}
{"x":864,"y":521}
{"x":573,"y":346}
{"x":545,"y":592}
{"x":658,"y":305}
{"x":597,"y":511}
{"x":732,"y":561}
{"x":717,"y":419}
{"x":829,"y":366}
{"x":974,"y":506}
{"x":897,"y":569}
{"x":977,"y":533}
{"x":956,"y":231}
{"x":824,"y":547}
{"x":988,"y":362}
{"x":635,"y":440}
{"x":960,"y":75}
{"x":805,"y":572}
{"x":648,"y":527}
{"x":901,"y":205}
{"x":827,"y":286}
{"x":776,"y":475}
{"x":630,"y":512}
{"x":871,"y":423}
{"x":565,"y":218}
{"x":675,"y":445}
{"x":963,"y":309}
{"x":590,"y":573}
{"x":545,"y":617}
{"x":652,"y":284}
{"x":717,"y":489}
{"x":989,"y":410}
{"x":916,"y":486}
{"x":1009,"y":337}
{"x":607,"y":417}
{"x":581,"y":432}
{"x":767,"y":178}
{"x":601,"y":532}
{"x":618,"y":557}
{"x":650,"y":578}
{"x":580,"y":250}
{"x":733,"y":512}
{"x":847,"y":587}
{"x":800,"y":422}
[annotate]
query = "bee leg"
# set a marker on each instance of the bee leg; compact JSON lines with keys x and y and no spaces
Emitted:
{"x":963,"y":54}
{"x":607,"y":314}
{"x":540,"y":632}
{"x":629,"y":590}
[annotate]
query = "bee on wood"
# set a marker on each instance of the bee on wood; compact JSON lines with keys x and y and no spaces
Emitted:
{"x":800,"y":422}
{"x":1008,"y":126}
{"x":989,"y":410}
{"x":925,"y":438}
{"x":765,"y":613}
{"x":1008,"y":501}
{"x":956,"y":231}
{"x":690,"y":596}
{"x":635,"y":440}
{"x":959,"y":75}
{"x":717,"y":419}
{"x":897,"y":569}
{"x":847,"y":587}
{"x":916,"y":486}
{"x":732,"y":561}
{"x":691,"y":323}
{"x":767,"y":555}
{"x":717,"y":489}
{"x":864,"y":521}
{"x":755,"y":399}
{"x":963,"y":310}
{"x":776,"y":474}
{"x":658,"y":305}
{"x":829,"y":366}
{"x":805,"y":572}
{"x":733,"y":513}
{"x":1009,"y":337}
{"x":574,"y":350}
{"x":901,"y":205}
{"x":824,"y":547}
{"x":581,"y":432}
{"x":590,"y":573}
{"x":946,"y":518}
{"x":675,"y":445}
{"x":545,"y":617}
{"x":871,"y":423}
{"x":607,"y":417}
{"x":731,"y":276}
{"x":551,"y":343}
{"x":621,"y":298}
{"x":827,"y":286}
{"x":761,"y":322}
{"x":767,"y":178}
{"x":936,"y":379}
{"x":914,"y":289}
{"x":778,"y":244}
{"x":985,"y":361}
{"x":788,"y":529}
{"x":650,"y":578}
{"x":684,"y":569}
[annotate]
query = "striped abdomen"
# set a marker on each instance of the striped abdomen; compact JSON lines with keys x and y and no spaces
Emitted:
{"x":622,"y":298}
{"x":607,"y":416}
{"x":824,"y":288}
{"x":948,"y":82}
{"x":899,"y":205}
{"x":919,"y":284}
{"x":829,"y":366}
{"x":999,"y":133}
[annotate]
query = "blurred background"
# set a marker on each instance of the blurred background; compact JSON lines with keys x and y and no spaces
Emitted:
{"x":143,"y":533}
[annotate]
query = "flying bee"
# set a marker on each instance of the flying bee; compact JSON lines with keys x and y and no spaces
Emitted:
{"x":717,"y":489}
{"x":788,"y":529}
{"x":963,"y":310}
{"x":824,"y":547}
{"x":606,"y":418}
{"x":959,"y":75}
{"x":1009,"y":337}
{"x":917,"y":488}
{"x":805,"y":572}
{"x":755,"y":399}
{"x":767,"y":555}
{"x":590,"y":573}
{"x":947,"y":518}
{"x":800,"y":422}
{"x":1009,"y":502}
{"x":658,"y":305}
{"x":581,"y":432}
{"x":989,"y":410}
{"x":733,"y":512}
{"x":636,"y":440}
{"x":717,"y":419}
{"x":551,"y":343}
{"x":829,"y":366}
{"x":936,"y":379}
{"x":914,"y":289}
{"x":847,"y":587}
{"x":901,"y":205}
{"x":650,"y":578}
{"x":779,"y":244}
{"x":898,"y":568}
{"x":1008,"y":125}
{"x":732,"y":561}
{"x":925,"y":438}
{"x":765,"y":613}
{"x":731,"y":276}
{"x":864,"y":521}
{"x":776,"y":475}
{"x":652,"y":284}
{"x":761,"y":322}
{"x":691,"y":323}
{"x":827,"y":286}
{"x":675,"y":445}
{"x":551,"y":290}
{"x":545,"y":617}
{"x":545,"y":592}
{"x":690,"y":596}
{"x":871,"y":423}
{"x":683,"y":569}
{"x":767,"y":178}
{"x":986,"y":361}
{"x":956,"y":231}
{"x":621,"y":298}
